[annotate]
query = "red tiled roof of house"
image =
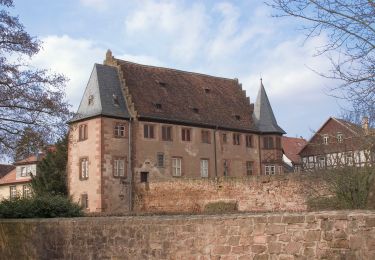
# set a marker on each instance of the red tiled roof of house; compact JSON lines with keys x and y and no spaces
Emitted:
{"x":187,"y":97}
{"x":5,"y":169}
{"x":292,"y":146}
{"x":10,"y":178}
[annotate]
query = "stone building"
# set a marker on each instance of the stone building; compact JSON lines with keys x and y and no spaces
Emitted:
{"x":138,"y":124}
{"x":339,"y":143}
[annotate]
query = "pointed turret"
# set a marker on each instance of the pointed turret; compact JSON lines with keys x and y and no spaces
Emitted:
{"x":263,"y":115}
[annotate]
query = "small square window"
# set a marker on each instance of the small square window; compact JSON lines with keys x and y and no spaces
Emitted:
{"x":166,"y":133}
{"x":249,"y":141}
{"x":119,"y":130}
{"x":186,"y":134}
{"x":148,"y":131}
{"x":206,"y":137}
{"x":236,"y":139}
{"x":270,"y":169}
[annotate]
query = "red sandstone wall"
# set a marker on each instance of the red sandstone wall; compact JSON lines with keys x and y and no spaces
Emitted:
{"x":261,"y":193}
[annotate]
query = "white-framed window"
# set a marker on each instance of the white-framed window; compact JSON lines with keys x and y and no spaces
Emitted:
{"x":119,"y":130}
{"x":325,"y":139}
{"x":160,"y":159}
{"x":176,"y":166}
{"x":84,"y":168}
{"x":204,"y":168}
{"x":23,"y":171}
{"x":12,"y":191}
{"x":322,"y":162}
{"x":119,"y":167}
{"x":270,"y":169}
{"x":340,"y":138}
{"x":26,"y":191}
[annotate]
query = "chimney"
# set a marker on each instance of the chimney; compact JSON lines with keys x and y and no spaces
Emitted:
{"x":365,"y":124}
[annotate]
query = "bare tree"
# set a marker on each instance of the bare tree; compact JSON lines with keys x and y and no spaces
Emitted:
{"x":29,"y":98}
{"x":350,"y":28}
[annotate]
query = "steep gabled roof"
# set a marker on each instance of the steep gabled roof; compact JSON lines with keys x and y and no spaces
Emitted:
{"x":5,"y":168}
{"x":103,"y":88}
{"x":264,"y":118}
{"x":186,"y":97}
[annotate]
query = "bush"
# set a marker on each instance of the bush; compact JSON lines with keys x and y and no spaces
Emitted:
{"x":350,"y":188}
{"x":220,"y":207}
{"x":47,"y":206}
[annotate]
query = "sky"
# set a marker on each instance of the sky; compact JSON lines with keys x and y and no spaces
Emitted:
{"x":233,"y":39}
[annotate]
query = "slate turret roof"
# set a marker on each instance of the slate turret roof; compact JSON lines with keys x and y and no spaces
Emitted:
{"x":263,"y":115}
{"x":104,"y":91}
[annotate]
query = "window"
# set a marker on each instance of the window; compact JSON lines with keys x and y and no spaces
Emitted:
{"x":195,"y":110}
{"x":13,"y":192}
{"x":26,"y":192}
{"x":144,"y":176}
{"x":85,"y":201}
{"x":119,"y":130}
{"x":166,"y":133}
{"x":84,"y":169}
{"x":115,"y":100}
{"x":206,"y":137}
{"x":249,"y":168}
{"x":24,"y":171}
{"x":278,"y":142}
{"x":249,"y":141}
{"x":82,"y":132}
{"x":225,"y":138}
{"x":204,"y":168}
{"x":268,"y":142}
{"x":148,"y":131}
{"x":322,"y":162}
{"x":119,"y":167}
{"x":160,"y":159}
{"x":237,"y":117}
{"x":176,"y":166}
{"x":339,"y":137}
{"x":325,"y":139}
{"x":158,"y":106}
{"x":185,"y":134}
{"x":236,"y":139}
{"x":91,"y":100}
{"x":270,"y":169}
{"x":226,"y":167}
{"x":349,"y":158}
{"x":207,"y":90}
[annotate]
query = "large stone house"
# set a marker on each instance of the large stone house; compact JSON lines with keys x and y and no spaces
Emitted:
{"x":138,"y":123}
{"x":339,"y":143}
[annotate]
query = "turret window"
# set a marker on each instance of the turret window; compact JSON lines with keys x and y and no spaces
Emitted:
{"x":268,"y":142}
{"x":91,"y":100}
{"x":82,"y":132}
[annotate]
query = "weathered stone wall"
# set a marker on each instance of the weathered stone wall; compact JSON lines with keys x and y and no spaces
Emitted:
{"x":326,"y":235}
{"x":257,"y":193}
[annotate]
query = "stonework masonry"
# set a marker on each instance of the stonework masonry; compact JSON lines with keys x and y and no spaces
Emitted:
{"x":324,"y":235}
{"x":257,"y":193}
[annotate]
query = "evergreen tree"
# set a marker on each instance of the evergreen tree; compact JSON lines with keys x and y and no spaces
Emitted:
{"x":51,"y":171}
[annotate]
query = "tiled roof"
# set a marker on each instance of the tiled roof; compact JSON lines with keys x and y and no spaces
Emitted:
{"x":264,"y":118}
{"x":292,"y":146}
{"x":10,"y":178}
{"x":180,"y":96}
{"x":5,"y":168}
{"x":103,"y":88}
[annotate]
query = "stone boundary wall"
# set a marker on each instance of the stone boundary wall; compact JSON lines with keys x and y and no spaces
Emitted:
{"x":256,"y":194}
{"x":324,"y":235}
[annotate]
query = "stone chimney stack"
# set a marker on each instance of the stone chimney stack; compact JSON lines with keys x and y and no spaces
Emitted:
{"x":365,"y":124}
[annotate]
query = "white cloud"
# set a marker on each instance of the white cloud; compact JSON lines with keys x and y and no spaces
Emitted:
{"x":75,"y":59}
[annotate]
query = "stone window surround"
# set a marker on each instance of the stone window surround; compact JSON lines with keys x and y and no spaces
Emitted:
{"x":81,"y":159}
{"x":118,"y":158}
{"x":117,"y":132}
{"x":82,"y":134}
